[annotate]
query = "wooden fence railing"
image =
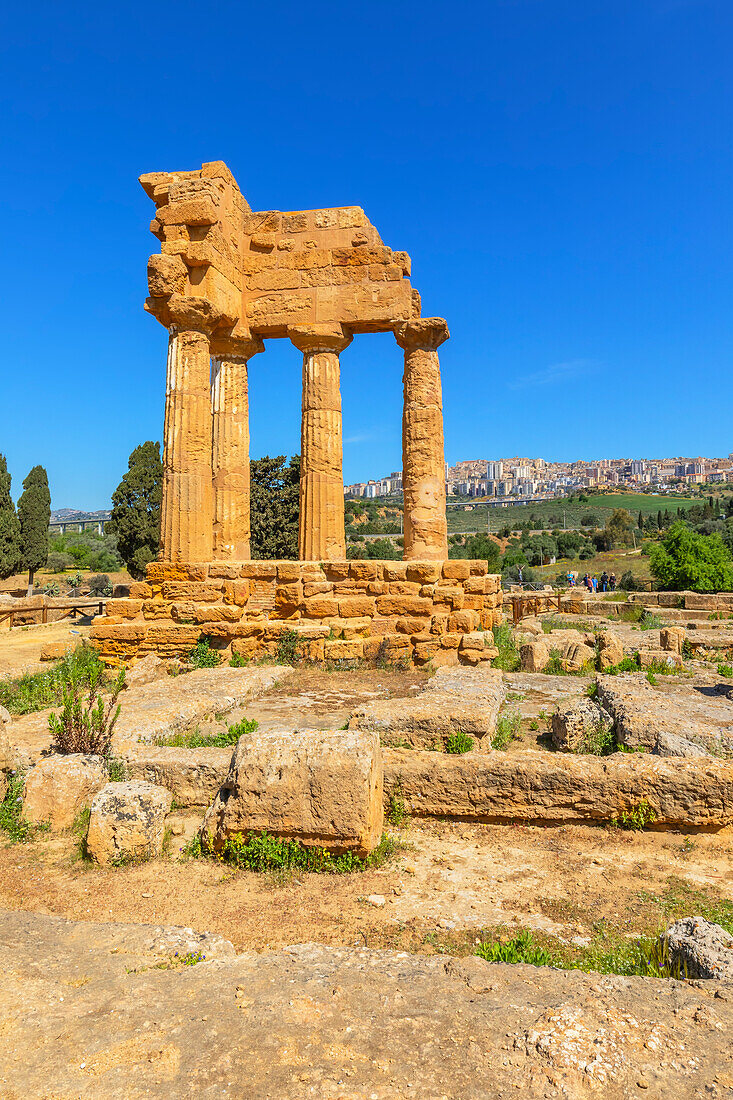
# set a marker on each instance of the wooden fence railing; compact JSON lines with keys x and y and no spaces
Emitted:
{"x":83,"y":610}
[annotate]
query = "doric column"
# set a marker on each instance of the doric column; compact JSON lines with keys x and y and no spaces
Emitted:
{"x":321,"y":528}
{"x":423,"y":458}
{"x":188,"y":496}
{"x":230,"y":450}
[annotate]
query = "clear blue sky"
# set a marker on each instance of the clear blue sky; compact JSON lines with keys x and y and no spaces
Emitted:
{"x":560,"y":172}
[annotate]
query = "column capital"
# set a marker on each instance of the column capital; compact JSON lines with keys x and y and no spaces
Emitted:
{"x":236,"y":347}
{"x":320,"y":337}
{"x":424,"y":333}
{"x":184,"y":312}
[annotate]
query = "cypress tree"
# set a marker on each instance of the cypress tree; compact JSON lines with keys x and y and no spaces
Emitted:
{"x":34,"y":514}
{"x":274,"y":507}
{"x":136,"y":504}
{"x":641,"y":521}
{"x":9,"y":526}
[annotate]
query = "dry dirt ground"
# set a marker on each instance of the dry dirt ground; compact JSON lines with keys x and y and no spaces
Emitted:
{"x":447,"y":883}
{"x":20,"y":648}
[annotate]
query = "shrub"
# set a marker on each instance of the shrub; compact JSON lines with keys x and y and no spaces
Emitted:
{"x":51,"y":588}
{"x":458,"y":743}
{"x":599,"y":740}
{"x":11,"y":812}
{"x":265,"y":852}
{"x":685,"y":559}
{"x":58,"y":562}
{"x":203,"y":656}
{"x":508,"y":728}
{"x":628,"y":664}
{"x":99,"y":585}
{"x":396,"y":808}
{"x":287,"y":648}
{"x":238,"y":661}
{"x":629,"y":583}
{"x":725,"y":670}
{"x":86,"y":726}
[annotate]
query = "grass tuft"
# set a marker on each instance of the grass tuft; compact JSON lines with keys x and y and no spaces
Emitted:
{"x":265,"y":852}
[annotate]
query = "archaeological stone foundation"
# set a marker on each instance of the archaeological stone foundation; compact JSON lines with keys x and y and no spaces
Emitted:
{"x":226,"y":279}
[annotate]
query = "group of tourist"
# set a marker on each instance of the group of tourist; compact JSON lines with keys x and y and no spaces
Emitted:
{"x":606,"y":582}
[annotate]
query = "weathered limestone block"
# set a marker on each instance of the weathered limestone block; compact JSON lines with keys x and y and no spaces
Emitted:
{"x":559,"y":787}
{"x":704,"y":950}
{"x":193,"y":776}
{"x":455,"y":700}
{"x":127,"y":822}
{"x":55,"y":651}
{"x":59,"y":787}
{"x":338,"y":649}
{"x":577,"y":657}
{"x":652,"y":656}
{"x":321,"y":787}
{"x":403,"y":605}
{"x":534,"y":655}
{"x":610,"y":649}
{"x":671,"y":744}
{"x":423,"y":460}
{"x":672,"y":638}
{"x":145,"y":671}
{"x":572,"y":721}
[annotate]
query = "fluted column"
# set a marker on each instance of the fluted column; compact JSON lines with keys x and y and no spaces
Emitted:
{"x":188,"y":497}
{"x":423,"y":456}
{"x":230,"y":452}
{"x":321,"y":526}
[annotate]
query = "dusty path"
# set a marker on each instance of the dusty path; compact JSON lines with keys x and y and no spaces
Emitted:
{"x":451,"y":879}
{"x":20,"y":648}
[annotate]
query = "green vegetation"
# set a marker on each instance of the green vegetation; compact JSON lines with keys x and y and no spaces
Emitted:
{"x":508,"y":658}
{"x":194,"y":739}
{"x":725,"y":670}
{"x":593,"y":511}
{"x":647,"y":956}
{"x":34,"y":515}
{"x":458,"y":743}
{"x":396,"y":808}
{"x":508,"y":729}
{"x":11,"y":812}
{"x":380,"y":549}
{"x":479,"y":547}
{"x":136,"y":504}
{"x":203,"y":656}
{"x":38,"y":690}
{"x":637,"y":818}
{"x":83,"y":550}
{"x":274,"y":498}
{"x":685,"y":559}
{"x":85,"y":723}
{"x":287,"y":648}
{"x":264,"y":852}
{"x":238,"y":661}
{"x":9,"y":526}
{"x":599,"y":740}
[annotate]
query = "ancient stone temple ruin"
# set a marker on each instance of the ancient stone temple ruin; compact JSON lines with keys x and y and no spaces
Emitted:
{"x":226,"y":279}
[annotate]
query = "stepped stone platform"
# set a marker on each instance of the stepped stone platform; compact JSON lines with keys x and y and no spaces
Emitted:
{"x":423,"y":611}
{"x":103,"y":1011}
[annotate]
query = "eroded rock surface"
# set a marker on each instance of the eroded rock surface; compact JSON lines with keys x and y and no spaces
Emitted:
{"x":705,"y":950}
{"x":59,"y":787}
{"x":127,"y":822}
{"x":572,"y":722}
{"x":86,"y":1011}
{"x":321,"y":787}
{"x":455,"y":699}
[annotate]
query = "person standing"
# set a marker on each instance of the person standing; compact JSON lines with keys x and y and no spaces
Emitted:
{"x":604,"y":581}
{"x":612,"y":582}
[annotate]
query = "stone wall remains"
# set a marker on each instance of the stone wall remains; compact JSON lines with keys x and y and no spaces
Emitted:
{"x":422,"y":611}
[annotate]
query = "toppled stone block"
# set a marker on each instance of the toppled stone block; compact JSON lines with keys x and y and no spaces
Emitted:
{"x":54,"y":651}
{"x":533,"y":656}
{"x":145,"y":671}
{"x":193,"y":776}
{"x":702,"y":949}
{"x":571,"y":724}
{"x":610,"y":649}
{"x":672,"y":639}
{"x":456,"y":699}
{"x":577,"y":657}
{"x":560,"y":787}
{"x":671,"y":744}
{"x":652,"y":658}
{"x":127,"y":822}
{"x":321,"y":787}
{"x":59,"y":787}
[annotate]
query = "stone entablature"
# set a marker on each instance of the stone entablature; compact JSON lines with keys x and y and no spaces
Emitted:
{"x":424,"y":611}
{"x":226,"y":279}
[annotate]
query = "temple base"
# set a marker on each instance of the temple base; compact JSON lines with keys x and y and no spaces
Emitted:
{"x":424,"y":612}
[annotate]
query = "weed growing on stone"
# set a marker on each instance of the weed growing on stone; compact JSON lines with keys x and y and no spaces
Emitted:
{"x":38,"y":690}
{"x":508,"y":729}
{"x":534,"y":725}
{"x":80,"y":828}
{"x":637,"y":818}
{"x":396,"y":808}
{"x":508,"y":658}
{"x":193,"y":849}
{"x":458,"y":743}
{"x":554,"y":666}
{"x":520,"y":949}
{"x":238,"y":661}
{"x":649,"y":621}
{"x":195,"y":739}
{"x":725,"y":670}
{"x":287,"y":648}
{"x":116,"y":769}
{"x":599,"y":740}
{"x":11,"y":812}
{"x":628,"y":664}
{"x":651,"y":678}
{"x":203,"y":656}
{"x":264,"y":852}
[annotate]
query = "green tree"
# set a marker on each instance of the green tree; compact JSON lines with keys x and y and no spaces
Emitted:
{"x":685,"y":559}
{"x":34,"y":514}
{"x":136,"y":509}
{"x":618,"y":528}
{"x":9,"y":526}
{"x":478,"y":547}
{"x":274,"y":507}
